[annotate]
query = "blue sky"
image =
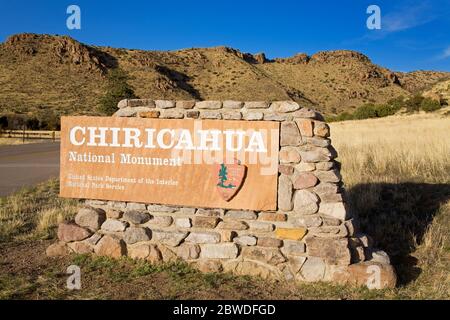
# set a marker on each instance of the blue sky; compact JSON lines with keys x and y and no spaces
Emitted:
{"x":414,"y":35}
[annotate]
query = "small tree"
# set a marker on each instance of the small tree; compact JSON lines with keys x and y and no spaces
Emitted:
{"x":117,"y":89}
{"x":429,"y":105}
{"x":223,"y":177}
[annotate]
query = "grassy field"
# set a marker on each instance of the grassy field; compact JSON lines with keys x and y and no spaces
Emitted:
{"x":397,"y":176}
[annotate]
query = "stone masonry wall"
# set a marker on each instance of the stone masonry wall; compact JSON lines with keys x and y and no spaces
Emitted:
{"x":311,"y":237}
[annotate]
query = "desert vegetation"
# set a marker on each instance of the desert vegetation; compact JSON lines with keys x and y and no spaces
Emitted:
{"x":397,"y":176}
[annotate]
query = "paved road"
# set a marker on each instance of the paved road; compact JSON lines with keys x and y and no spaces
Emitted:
{"x":28,"y":164}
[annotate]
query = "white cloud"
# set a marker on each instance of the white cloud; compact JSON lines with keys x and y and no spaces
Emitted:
{"x":408,"y":17}
{"x":446,"y":53}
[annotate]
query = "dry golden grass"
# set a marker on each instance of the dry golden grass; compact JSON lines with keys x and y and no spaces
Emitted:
{"x":392,"y":149}
{"x":397,"y":174}
{"x":34,"y":212}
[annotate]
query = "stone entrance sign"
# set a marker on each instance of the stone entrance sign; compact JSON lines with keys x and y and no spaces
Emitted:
{"x":310,"y":235}
{"x":206,"y":163}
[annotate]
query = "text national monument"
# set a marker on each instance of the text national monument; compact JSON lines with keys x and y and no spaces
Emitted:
{"x":250,"y":188}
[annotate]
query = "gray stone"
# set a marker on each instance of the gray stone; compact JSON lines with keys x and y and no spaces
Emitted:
{"x":231,"y":115}
{"x":379,"y":256}
{"x":185,"y":104}
{"x":160,"y":221}
{"x":253,"y":115}
{"x":307,"y":113}
{"x":229,"y":104}
{"x":209,"y":105}
{"x":296,"y":263}
{"x":321,"y":129}
{"x":237,"y":214}
{"x":285,"y":193}
{"x":260,"y":226}
{"x":305,"y":202}
{"x":187,"y":211}
{"x":169,"y":238}
{"x":294,"y":248}
{"x":256,"y":105}
{"x":332,"y":176}
{"x":336,"y":210}
{"x":165,"y":104}
{"x":306,"y":221}
{"x":172,"y":114}
{"x":334,"y":251}
{"x":160,"y":208}
{"x":117,"y":204}
{"x":131,"y":112}
{"x":285,"y":106}
{"x":273,"y":116}
{"x":313,"y":269}
{"x":271,"y":256}
{"x":187,"y":251}
{"x":183,"y":222}
{"x":91,"y":218}
{"x":318,"y":142}
{"x":136,"y":217}
{"x":219,"y":251}
{"x":245,"y":240}
{"x":141,"y":103}
{"x":316,"y":155}
{"x":193,"y":114}
{"x":92,"y":240}
{"x":325,"y":166}
{"x":203,"y":237}
{"x":290,"y":135}
{"x":135,"y":206}
{"x":232,"y":225}
{"x":133,"y":235}
{"x":122,"y":104}
{"x":212,"y":115}
{"x":210,"y":212}
{"x":113,"y":225}
{"x":305,"y":167}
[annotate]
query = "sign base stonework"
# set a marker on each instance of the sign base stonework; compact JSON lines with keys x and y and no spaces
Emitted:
{"x":310,"y":237}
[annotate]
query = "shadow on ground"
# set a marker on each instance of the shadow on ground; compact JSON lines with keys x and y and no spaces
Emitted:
{"x":397,"y":216}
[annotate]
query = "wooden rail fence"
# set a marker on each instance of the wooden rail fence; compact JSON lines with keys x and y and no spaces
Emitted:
{"x":29,"y":134}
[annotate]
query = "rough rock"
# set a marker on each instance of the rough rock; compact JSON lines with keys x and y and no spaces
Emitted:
{"x":80,"y":247}
{"x":289,"y":134}
{"x":289,"y":155}
{"x":68,"y":232}
{"x":136,"y":217}
{"x":136,"y":234}
{"x":285,"y":106}
{"x":219,"y":251}
{"x":245,"y":215}
{"x":285,"y":193}
{"x":373,"y":275}
{"x":334,"y":251}
{"x":209,"y":104}
{"x":203,"y":237}
{"x":269,"y":242}
{"x":205,"y":222}
{"x":305,"y":181}
{"x":169,"y":238}
{"x":110,"y":247}
{"x":306,"y":127}
{"x":245,"y":240}
{"x":271,"y":256}
{"x":305,"y":202}
{"x":91,"y":218}
{"x":113,"y":225}
{"x":313,"y":269}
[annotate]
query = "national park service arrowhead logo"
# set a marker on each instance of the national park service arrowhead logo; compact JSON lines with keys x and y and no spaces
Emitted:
{"x":230,"y":178}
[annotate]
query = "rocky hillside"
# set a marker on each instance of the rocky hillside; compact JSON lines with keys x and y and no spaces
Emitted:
{"x":57,"y":72}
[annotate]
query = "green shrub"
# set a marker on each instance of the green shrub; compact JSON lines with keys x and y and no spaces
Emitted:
{"x":429,"y":105}
{"x":117,"y":89}
{"x":365,"y":112}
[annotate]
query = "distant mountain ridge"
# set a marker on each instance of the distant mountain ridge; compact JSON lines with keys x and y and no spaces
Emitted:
{"x":58,"y":72}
